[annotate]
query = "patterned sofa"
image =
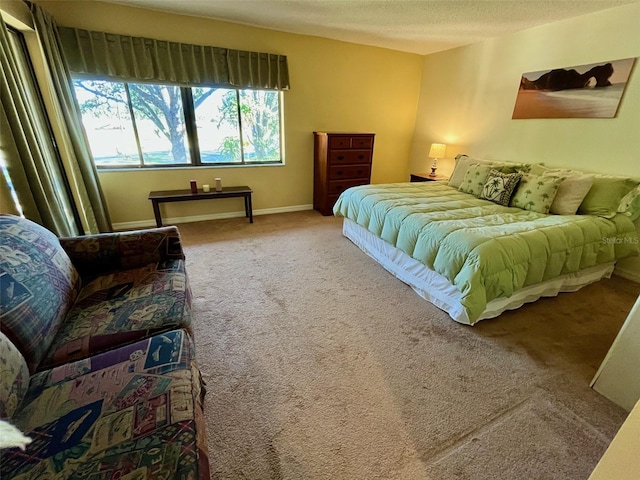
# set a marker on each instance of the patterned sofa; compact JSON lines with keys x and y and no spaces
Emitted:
{"x":97,"y":361}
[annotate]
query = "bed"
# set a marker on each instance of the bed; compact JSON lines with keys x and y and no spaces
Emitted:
{"x":475,"y":258}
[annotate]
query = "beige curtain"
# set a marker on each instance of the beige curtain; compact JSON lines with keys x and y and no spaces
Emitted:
{"x":89,"y":193}
{"x":126,"y":58}
{"x":29,"y":156}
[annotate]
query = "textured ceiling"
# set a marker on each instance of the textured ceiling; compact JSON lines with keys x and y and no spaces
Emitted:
{"x":418,"y":26}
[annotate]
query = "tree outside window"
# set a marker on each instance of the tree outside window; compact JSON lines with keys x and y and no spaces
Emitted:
{"x":149,"y":125}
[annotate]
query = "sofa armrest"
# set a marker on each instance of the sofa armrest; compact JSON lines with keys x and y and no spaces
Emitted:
{"x":108,"y":252}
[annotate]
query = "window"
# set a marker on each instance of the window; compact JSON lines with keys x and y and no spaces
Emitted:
{"x":146,"y":125}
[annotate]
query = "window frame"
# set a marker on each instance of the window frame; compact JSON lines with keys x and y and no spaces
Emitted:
{"x":188,"y":108}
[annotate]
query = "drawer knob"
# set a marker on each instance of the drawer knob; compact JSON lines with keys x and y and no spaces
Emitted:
{"x":340,"y":157}
{"x":339,"y":172}
{"x":360,"y":172}
{"x":360,"y":157}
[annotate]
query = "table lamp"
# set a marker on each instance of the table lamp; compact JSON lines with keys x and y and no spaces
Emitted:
{"x":436,"y":151}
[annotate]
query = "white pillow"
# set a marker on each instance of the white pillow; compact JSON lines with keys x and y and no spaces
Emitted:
{"x":572,"y":190}
{"x":461,"y":167}
{"x":11,"y":437}
{"x":571,"y":193}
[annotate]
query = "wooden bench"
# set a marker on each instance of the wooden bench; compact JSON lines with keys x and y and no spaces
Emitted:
{"x":166,"y":196}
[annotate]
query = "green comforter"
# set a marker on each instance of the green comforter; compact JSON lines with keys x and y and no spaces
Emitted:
{"x":486,"y":250}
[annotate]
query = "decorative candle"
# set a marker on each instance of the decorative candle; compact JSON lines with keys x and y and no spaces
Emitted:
{"x":205,"y":188}
{"x":218,"y":184}
{"x":194,"y":186}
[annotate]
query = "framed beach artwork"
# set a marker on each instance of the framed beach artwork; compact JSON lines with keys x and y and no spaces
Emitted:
{"x":585,"y":91}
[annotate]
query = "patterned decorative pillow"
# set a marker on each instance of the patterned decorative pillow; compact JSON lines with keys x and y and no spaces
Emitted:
{"x":14,"y":377}
{"x":536,"y":192}
{"x":475,"y":178}
{"x":500,"y":186}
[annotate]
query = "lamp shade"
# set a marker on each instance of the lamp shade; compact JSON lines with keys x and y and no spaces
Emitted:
{"x":437,"y":150}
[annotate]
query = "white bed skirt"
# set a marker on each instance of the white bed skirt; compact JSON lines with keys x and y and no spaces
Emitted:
{"x":436,"y":289}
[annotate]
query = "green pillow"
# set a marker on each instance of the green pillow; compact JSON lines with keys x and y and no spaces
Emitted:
{"x":605,"y":195}
{"x":463,"y":162}
{"x":538,"y":169}
{"x":536,"y":192}
{"x":630,"y":204}
{"x":500,"y":186}
{"x":475,"y":178}
{"x":513,"y":167}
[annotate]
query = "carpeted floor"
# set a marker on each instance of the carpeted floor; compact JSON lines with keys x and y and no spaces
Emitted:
{"x":321,"y":365}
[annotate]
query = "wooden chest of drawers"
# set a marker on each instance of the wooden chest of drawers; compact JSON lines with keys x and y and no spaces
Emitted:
{"x":341,"y":160}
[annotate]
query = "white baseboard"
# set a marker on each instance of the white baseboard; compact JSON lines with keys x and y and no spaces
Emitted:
{"x":628,"y":274}
{"x":212,"y":216}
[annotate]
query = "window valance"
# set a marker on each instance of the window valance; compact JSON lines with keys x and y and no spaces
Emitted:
{"x":126,"y":58}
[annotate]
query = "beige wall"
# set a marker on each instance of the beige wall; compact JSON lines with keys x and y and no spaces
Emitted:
{"x":335,"y":86}
{"x":468,"y":96}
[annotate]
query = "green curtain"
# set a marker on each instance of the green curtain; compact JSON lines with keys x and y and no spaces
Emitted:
{"x":29,"y":155}
{"x":126,"y":58}
{"x":89,"y":192}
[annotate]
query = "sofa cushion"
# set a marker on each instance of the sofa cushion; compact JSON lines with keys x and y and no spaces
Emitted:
{"x":38,"y":285}
{"x":134,"y":412}
{"x":95,"y":255}
{"x":123,"y":307}
{"x":14,"y":377}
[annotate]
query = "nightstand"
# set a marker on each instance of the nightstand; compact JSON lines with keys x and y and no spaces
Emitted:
{"x":424,"y":177}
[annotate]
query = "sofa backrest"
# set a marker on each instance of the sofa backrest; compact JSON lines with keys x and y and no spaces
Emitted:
{"x":38,"y":284}
{"x":14,"y":377}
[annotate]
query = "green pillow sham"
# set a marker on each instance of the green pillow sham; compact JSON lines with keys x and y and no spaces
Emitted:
{"x":463,"y":162}
{"x":475,"y":178}
{"x":536,"y":192}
